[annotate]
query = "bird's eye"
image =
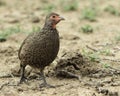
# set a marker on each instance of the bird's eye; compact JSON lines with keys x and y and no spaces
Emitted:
{"x":53,"y":16}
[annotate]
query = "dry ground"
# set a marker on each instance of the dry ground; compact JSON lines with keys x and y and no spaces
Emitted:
{"x":102,"y":77}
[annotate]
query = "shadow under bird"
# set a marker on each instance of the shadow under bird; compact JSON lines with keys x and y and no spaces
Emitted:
{"x":39,"y":49}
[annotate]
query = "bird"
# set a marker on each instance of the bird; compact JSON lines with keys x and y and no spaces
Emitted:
{"x":39,"y":49}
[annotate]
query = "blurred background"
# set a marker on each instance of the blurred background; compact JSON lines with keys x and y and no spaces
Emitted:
{"x":81,"y":16}
{"x":91,"y":27}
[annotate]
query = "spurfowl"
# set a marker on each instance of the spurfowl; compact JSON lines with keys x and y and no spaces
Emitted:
{"x":39,"y":49}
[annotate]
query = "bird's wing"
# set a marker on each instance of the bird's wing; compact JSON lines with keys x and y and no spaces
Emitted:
{"x":23,"y":44}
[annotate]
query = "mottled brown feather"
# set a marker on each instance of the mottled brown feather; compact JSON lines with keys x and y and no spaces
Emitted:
{"x":40,"y":49}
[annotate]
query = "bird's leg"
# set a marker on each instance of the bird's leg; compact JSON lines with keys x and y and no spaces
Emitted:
{"x":44,"y":84}
{"x":22,"y":69}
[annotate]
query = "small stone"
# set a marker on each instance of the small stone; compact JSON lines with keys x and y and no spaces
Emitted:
{"x":2,"y":39}
{"x":13,"y":20}
{"x":35,"y":19}
{"x":113,"y":94}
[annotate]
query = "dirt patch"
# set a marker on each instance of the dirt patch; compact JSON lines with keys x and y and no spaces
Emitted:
{"x":78,"y":70}
{"x":75,"y":63}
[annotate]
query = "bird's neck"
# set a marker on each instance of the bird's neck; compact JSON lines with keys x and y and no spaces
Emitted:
{"x":50,"y":26}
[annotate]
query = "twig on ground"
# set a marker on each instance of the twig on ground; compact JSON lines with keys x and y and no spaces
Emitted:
{"x":91,"y":48}
{"x":113,"y":68}
{"x":117,"y":48}
{"x":7,"y":76}
{"x":102,"y":58}
{"x":110,"y":60}
{"x":5,"y":84}
{"x":69,"y":74}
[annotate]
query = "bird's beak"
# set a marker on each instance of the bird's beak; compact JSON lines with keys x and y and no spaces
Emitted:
{"x":61,"y":18}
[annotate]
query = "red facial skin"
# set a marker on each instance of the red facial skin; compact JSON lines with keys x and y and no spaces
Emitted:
{"x":56,"y":19}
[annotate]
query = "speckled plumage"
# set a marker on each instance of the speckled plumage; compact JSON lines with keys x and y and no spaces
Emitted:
{"x":39,"y":49}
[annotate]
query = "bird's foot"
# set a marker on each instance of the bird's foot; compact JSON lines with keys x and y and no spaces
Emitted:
{"x":46,"y":85}
{"x":23,"y":79}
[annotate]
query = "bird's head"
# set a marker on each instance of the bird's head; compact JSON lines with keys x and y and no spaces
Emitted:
{"x":52,"y":19}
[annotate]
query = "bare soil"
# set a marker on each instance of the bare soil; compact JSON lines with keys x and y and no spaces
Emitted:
{"x":73,"y":72}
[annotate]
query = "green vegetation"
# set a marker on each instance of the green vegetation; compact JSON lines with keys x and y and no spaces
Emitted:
{"x":106,"y":52}
{"x":34,"y":29}
{"x":112,"y":10}
{"x":117,"y":38}
{"x":2,"y":3}
{"x":89,"y":13}
{"x":69,"y":5}
{"x":105,"y":65}
{"x":92,"y":56}
{"x":49,"y":8}
{"x":4,"y":33}
{"x":87,"y":29}
{"x":8,"y":31}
